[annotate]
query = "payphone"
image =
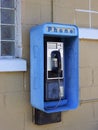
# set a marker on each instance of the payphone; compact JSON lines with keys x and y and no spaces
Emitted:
{"x":54,"y":87}
{"x":54,"y":78}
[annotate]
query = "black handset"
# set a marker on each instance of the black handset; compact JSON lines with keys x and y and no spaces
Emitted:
{"x":56,"y":61}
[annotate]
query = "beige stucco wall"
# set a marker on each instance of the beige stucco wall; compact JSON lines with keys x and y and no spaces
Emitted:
{"x":15,"y":109}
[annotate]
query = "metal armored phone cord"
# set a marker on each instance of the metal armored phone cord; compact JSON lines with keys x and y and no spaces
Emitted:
{"x":59,"y":90}
{"x":60,"y":95}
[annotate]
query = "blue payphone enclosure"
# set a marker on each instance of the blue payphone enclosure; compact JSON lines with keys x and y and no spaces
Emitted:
{"x":69,"y":34}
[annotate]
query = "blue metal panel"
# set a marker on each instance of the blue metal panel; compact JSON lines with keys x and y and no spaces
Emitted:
{"x":71,"y":76}
{"x":36,"y":67}
{"x":71,"y":73}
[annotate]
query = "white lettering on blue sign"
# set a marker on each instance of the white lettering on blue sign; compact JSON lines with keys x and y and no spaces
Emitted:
{"x":60,"y":30}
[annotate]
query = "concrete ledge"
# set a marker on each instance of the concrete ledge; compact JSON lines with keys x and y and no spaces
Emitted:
{"x":87,"y":33}
{"x":13,"y":64}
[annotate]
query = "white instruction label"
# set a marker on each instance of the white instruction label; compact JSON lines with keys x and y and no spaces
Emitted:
{"x":61,"y":91}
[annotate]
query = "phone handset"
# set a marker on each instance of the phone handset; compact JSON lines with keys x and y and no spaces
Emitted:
{"x":56,"y":61}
